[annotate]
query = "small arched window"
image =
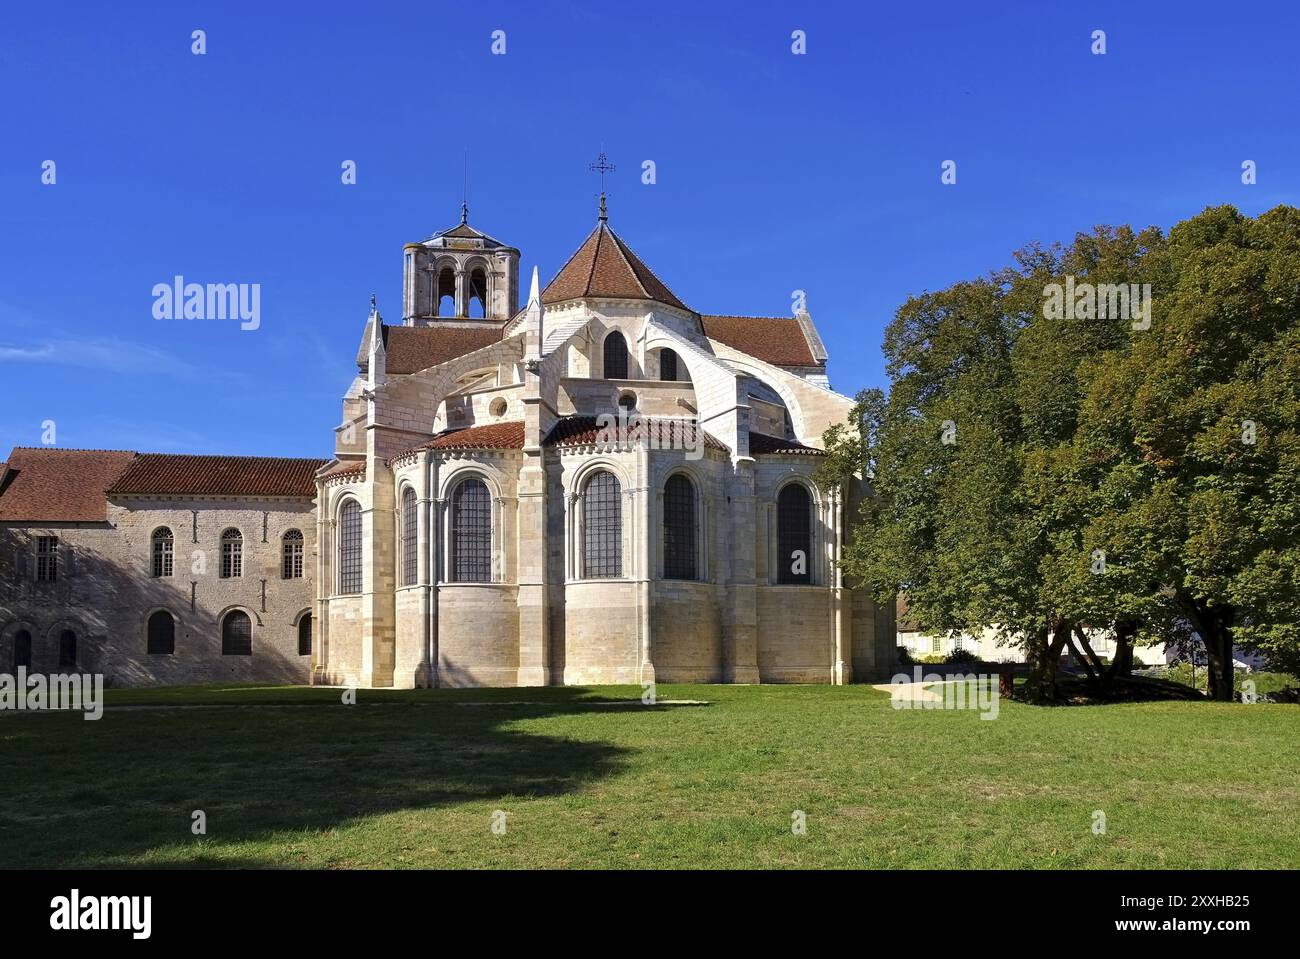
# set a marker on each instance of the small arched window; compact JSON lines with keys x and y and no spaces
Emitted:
{"x":236,"y":634}
{"x":444,"y":297}
{"x":291,"y":555}
{"x":161,"y":634}
{"x":615,"y":356}
{"x":410,"y":537}
{"x":667,"y":365}
{"x":232,"y":554}
{"x":162,"y":552}
{"x":476,"y":308}
{"x":793,"y":534}
{"x":679,"y":529}
{"x":471,"y":533}
{"x":304,"y":635}
{"x":350,"y":548}
{"x":67,"y":650}
{"x":602,"y":527}
{"x":22,"y":650}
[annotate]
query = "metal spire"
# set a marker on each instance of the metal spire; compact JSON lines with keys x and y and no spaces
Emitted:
{"x":602,"y":166}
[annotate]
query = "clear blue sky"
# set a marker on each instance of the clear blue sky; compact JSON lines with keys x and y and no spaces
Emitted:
{"x":775,"y":172}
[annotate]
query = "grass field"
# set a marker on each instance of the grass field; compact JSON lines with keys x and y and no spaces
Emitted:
{"x":412,"y":779}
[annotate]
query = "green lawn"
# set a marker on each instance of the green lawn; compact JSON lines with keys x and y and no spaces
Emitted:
{"x":412,"y":778}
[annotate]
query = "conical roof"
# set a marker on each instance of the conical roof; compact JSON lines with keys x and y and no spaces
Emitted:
{"x":605,"y":266}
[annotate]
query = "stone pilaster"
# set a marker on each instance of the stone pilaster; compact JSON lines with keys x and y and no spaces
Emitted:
{"x":740,"y":622}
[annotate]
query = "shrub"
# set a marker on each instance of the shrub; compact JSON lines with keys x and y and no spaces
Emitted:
{"x":961,"y":656}
{"x":904,"y":657}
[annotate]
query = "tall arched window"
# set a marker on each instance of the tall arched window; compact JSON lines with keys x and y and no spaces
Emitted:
{"x":602,"y":527}
{"x":410,"y":537}
{"x":232,"y":554}
{"x":615,"y":356}
{"x":291,"y":555}
{"x":22,"y":650}
{"x":350,"y":548}
{"x":471,"y":533}
{"x":304,"y":635}
{"x":679,"y":529}
{"x":236,"y":634}
{"x":162,"y":552}
{"x":67,"y":650}
{"x":793,"y":534}
{"x":444,"y":296}
{"x":667,"y":365}
{"x":161,"y":634}
{"x":476,"y":308}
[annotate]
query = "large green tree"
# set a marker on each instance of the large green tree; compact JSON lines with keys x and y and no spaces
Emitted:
{"x":1035,"y":470}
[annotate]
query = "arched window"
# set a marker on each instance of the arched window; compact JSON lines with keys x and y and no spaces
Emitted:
{"x":236,"y":634}
{"x":444,"y":297}
{"x":667,"y":365}
{"x":476,"y":308}
{"x":471,"y":533}
{"x":232,"y":554}
{"x":793,"y":534}
{"x":22,"y":650}
{"x":679,"y":529}
{"x":350,"y":548}
{"x":410,"y":537}
{"x":304,"y":635}
{"x":161,"y":634}
{"x":615,"y":356}
{"x":291,"y":555}
{"x":162,"y":552}
{"x":602,"y":527}
{"x":67,"y":650}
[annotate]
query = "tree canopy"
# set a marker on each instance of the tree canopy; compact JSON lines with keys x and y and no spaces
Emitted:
{"x":1105,"y":434}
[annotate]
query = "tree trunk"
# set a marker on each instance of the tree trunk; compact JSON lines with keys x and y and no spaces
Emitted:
{"x":1041,"y":687}
{"x":1122,"y":664}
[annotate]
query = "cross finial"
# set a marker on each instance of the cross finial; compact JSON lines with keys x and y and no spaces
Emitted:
{"x":372,"y":303}
{"x":602,"y":166}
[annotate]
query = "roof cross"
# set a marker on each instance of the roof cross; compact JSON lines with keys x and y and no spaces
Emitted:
{"x":602,"y":166}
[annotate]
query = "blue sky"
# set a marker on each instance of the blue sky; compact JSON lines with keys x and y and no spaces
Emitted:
{"x":775,"y":172}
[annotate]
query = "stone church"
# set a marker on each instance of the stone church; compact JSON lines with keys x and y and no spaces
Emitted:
{"x":598,"y":485}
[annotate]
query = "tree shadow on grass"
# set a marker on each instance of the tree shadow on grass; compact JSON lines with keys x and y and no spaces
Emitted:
{"x":107,"y":793}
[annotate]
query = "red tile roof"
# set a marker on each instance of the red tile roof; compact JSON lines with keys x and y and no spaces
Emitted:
{"x":168,"y":473}
{"x":761,"y":445}
{"x":584,"y":430}
{"x":778,"y":340}
{"x":410,"y":349}
{"x":344,"y":468}
{"x":493,"y":436}
{"x":606,"y":266}
{"x":48,"y":484}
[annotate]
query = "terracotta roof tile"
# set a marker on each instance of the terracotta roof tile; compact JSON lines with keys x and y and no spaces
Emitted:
{"x":49,"y":484}
{"x":778,"y":340}
{"x":492,"y":436}
{"x":606,"y":266}
{"x":173,"y":474}
{"x":343,"y":468}
{"x":761,"y":445}
{"x":584,"y":430}
{"x":410,"y":349}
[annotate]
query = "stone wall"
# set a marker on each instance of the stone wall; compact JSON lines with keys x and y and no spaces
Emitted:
{"x":105,"y":592}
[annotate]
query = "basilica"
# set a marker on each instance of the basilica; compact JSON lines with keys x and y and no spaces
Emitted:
{"x":585,"y":482}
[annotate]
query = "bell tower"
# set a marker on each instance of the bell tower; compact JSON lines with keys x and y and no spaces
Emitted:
{"x":459,"y":277}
